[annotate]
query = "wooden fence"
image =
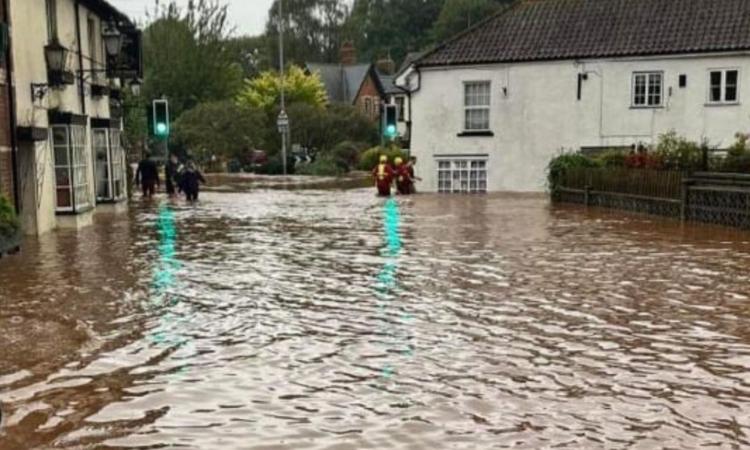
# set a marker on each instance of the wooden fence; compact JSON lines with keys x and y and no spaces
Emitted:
{"x":719,"y":198}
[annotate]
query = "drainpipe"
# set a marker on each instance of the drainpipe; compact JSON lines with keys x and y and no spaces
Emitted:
{"x":81,"y":88}
{"x":12,"y":107}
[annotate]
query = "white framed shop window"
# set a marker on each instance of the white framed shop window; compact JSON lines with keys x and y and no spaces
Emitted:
{"x":462,"y":175}
{"x":72,"y":192}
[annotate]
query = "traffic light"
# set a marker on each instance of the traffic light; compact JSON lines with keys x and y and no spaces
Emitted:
{"x":390,"y":121}
{"x":160,"y":117}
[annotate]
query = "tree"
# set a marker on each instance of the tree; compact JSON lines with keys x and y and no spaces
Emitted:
{"x":392,"y":27}
{"x":313,"y":30}
{"x":457,"y":15}
{"x":186,"y":55}
{"x":252,"y":53}
{"x":265,"y":91}
{"x":222,"y":128}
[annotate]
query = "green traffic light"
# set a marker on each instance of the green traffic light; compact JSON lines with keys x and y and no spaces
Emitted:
{"x":161,"y":129}
{"x":390,"y":130}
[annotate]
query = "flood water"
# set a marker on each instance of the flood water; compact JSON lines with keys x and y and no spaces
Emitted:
{"x":336,"y":320}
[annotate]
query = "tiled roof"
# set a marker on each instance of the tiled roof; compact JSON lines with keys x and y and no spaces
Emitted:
{"x":532,"y":30}
{"x":342,"y":83}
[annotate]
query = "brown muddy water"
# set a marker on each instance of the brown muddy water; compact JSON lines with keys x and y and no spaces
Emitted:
{"x":336,"y":320}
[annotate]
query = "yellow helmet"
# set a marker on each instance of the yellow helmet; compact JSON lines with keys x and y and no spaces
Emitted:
{"x":383,"y":158}
{"x":398,"y":161}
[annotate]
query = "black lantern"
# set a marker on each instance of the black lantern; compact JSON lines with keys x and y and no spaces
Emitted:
{"x":112,"y":40}
{"x":135,"y":87}
{"x":56,"y":56}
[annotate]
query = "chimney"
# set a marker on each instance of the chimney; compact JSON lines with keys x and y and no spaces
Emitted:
{"x":386,"y":66}
{"x":348,"y":54}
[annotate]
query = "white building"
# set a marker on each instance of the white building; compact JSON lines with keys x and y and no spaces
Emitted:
{"x":492,"y":106}
{"x":65,"y":54}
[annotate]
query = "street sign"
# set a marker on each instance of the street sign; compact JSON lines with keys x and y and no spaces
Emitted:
{"x":283,"y":122}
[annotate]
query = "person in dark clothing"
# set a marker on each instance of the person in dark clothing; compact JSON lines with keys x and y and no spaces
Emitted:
{"x":191,"y":180}
{"x":171,"y":174}
{"x":148,"y":176}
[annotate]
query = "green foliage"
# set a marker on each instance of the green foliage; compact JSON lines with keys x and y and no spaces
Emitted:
{"x":252,"y":53}
{"x":566,"y":161}
{"x":611,"y":158}
{"x":323,"y":166}
{"x":186,"y":56}
{"x":9,"y":223}
{"x":738,"y":155}
{"x":678,"y":153}
{"x":223,"y":128}
{"x":264,"y":91}
{"x":370,"y":158}
{"x":395,"y":27}
{"x":313,"y":30}
{"x":457,"y":15}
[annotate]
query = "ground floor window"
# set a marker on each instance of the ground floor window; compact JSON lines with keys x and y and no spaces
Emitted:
{"x":71,"y":168}
{"x":465,"y":175}
{"x":110,"y":164}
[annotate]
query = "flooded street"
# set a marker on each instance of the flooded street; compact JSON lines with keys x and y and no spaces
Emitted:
{"x":319,"y":319}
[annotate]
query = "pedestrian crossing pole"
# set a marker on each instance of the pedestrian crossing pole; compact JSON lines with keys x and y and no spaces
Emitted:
{"x":283,"y":121}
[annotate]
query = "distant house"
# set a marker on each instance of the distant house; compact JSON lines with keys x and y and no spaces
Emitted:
{"x":350,"y":83}
{"x":491,"y":106}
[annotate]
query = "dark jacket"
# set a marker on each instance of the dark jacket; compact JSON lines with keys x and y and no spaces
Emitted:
{"x":191,"y":180}
{"x":147,"y":173}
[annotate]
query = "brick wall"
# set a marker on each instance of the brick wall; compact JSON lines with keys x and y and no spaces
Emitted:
{"x":369,"y":95}
{"x":6,"y":157}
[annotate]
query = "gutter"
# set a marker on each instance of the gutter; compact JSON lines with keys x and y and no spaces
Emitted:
{"x":81,"y":87}
{"x":12,"y":107}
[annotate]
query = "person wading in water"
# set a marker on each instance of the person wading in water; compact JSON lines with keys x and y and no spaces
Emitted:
{"x":171,"y":174}
{"x":191,"y":182}
{"x":383,"y":174}
{"x":148,"y":176}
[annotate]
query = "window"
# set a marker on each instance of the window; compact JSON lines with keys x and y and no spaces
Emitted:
{"x":462,"y":175}
{"x":368,"y":106}
{"x":683,"y":81}
{"x":477,"y":106}
{"x":723,"y":86}
{"x":647,"y":89}
{"x":400,"y":101}
{"x":71,"y":167}
{"x":51,"y":6}
{"x":110,"y":176}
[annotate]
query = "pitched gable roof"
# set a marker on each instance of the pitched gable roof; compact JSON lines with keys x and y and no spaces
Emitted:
{"x":342,"y":83}
{"x":532,"y":30}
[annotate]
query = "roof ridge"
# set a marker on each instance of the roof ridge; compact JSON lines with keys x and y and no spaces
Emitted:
{"x":510,"y":6}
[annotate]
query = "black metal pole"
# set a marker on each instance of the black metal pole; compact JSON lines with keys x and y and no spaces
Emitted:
{"x":12,"y":110}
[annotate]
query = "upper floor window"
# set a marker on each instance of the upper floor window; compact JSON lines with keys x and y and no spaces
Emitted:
{"x":723,"y":86}
{"x":51,"y":6}
{"x":477,"y":106}
{"x":647,"y":89}
{"x":368,"y":106}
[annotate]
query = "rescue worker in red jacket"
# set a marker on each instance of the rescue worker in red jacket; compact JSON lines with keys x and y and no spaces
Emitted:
{"x":383,"y":174}
{"x":403,"y":178}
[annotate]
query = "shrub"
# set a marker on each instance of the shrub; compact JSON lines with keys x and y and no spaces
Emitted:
{"x":370,"y":158}
{"x":644,"y":160}
{"x":566,"y":161}
{"x":9,"y":224}
{"x":678,"y":153}
{"x":738,"y":155}
{"x":611,"y":158}
{"x":346,"y":154}
{"x":323,"y":166}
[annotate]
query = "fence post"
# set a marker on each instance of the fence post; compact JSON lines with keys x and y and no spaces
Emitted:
{"x":586,"y":195}
{"x":684,"y":198}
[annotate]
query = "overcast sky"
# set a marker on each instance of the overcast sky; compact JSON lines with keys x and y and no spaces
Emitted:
{"x":247,"y":16}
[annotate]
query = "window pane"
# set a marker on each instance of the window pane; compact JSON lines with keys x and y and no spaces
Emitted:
{"x":62,"y":177}
{"x":63,"y":198}
{"x":654,"y":89}
{"x":731,"y":86}
{"x":715,"y":93}
{"x":639,"y":91}
{"x":731,"y":94}
{"x":732,"y":77}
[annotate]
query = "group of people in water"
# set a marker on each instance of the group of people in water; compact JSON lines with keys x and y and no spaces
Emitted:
{"x":179,"y":177}
{"x":400,"y":173}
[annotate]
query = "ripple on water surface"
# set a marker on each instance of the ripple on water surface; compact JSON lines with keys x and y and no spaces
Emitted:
{"x":332,"y":319}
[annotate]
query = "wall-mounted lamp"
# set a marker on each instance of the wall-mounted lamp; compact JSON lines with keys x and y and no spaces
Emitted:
{"x":112,"y":40}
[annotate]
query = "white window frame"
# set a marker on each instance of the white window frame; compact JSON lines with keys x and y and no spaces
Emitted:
{"x":77,"y":166}
{"x":648,"y":74}
{"x":114,"y":164}
{"x":400,"y":102}
{"x":466,"y":108}
{"x":462,"y":174}
{"x":723,"y":86}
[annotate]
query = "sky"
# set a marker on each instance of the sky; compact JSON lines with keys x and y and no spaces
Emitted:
{"x":247,"y":16}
